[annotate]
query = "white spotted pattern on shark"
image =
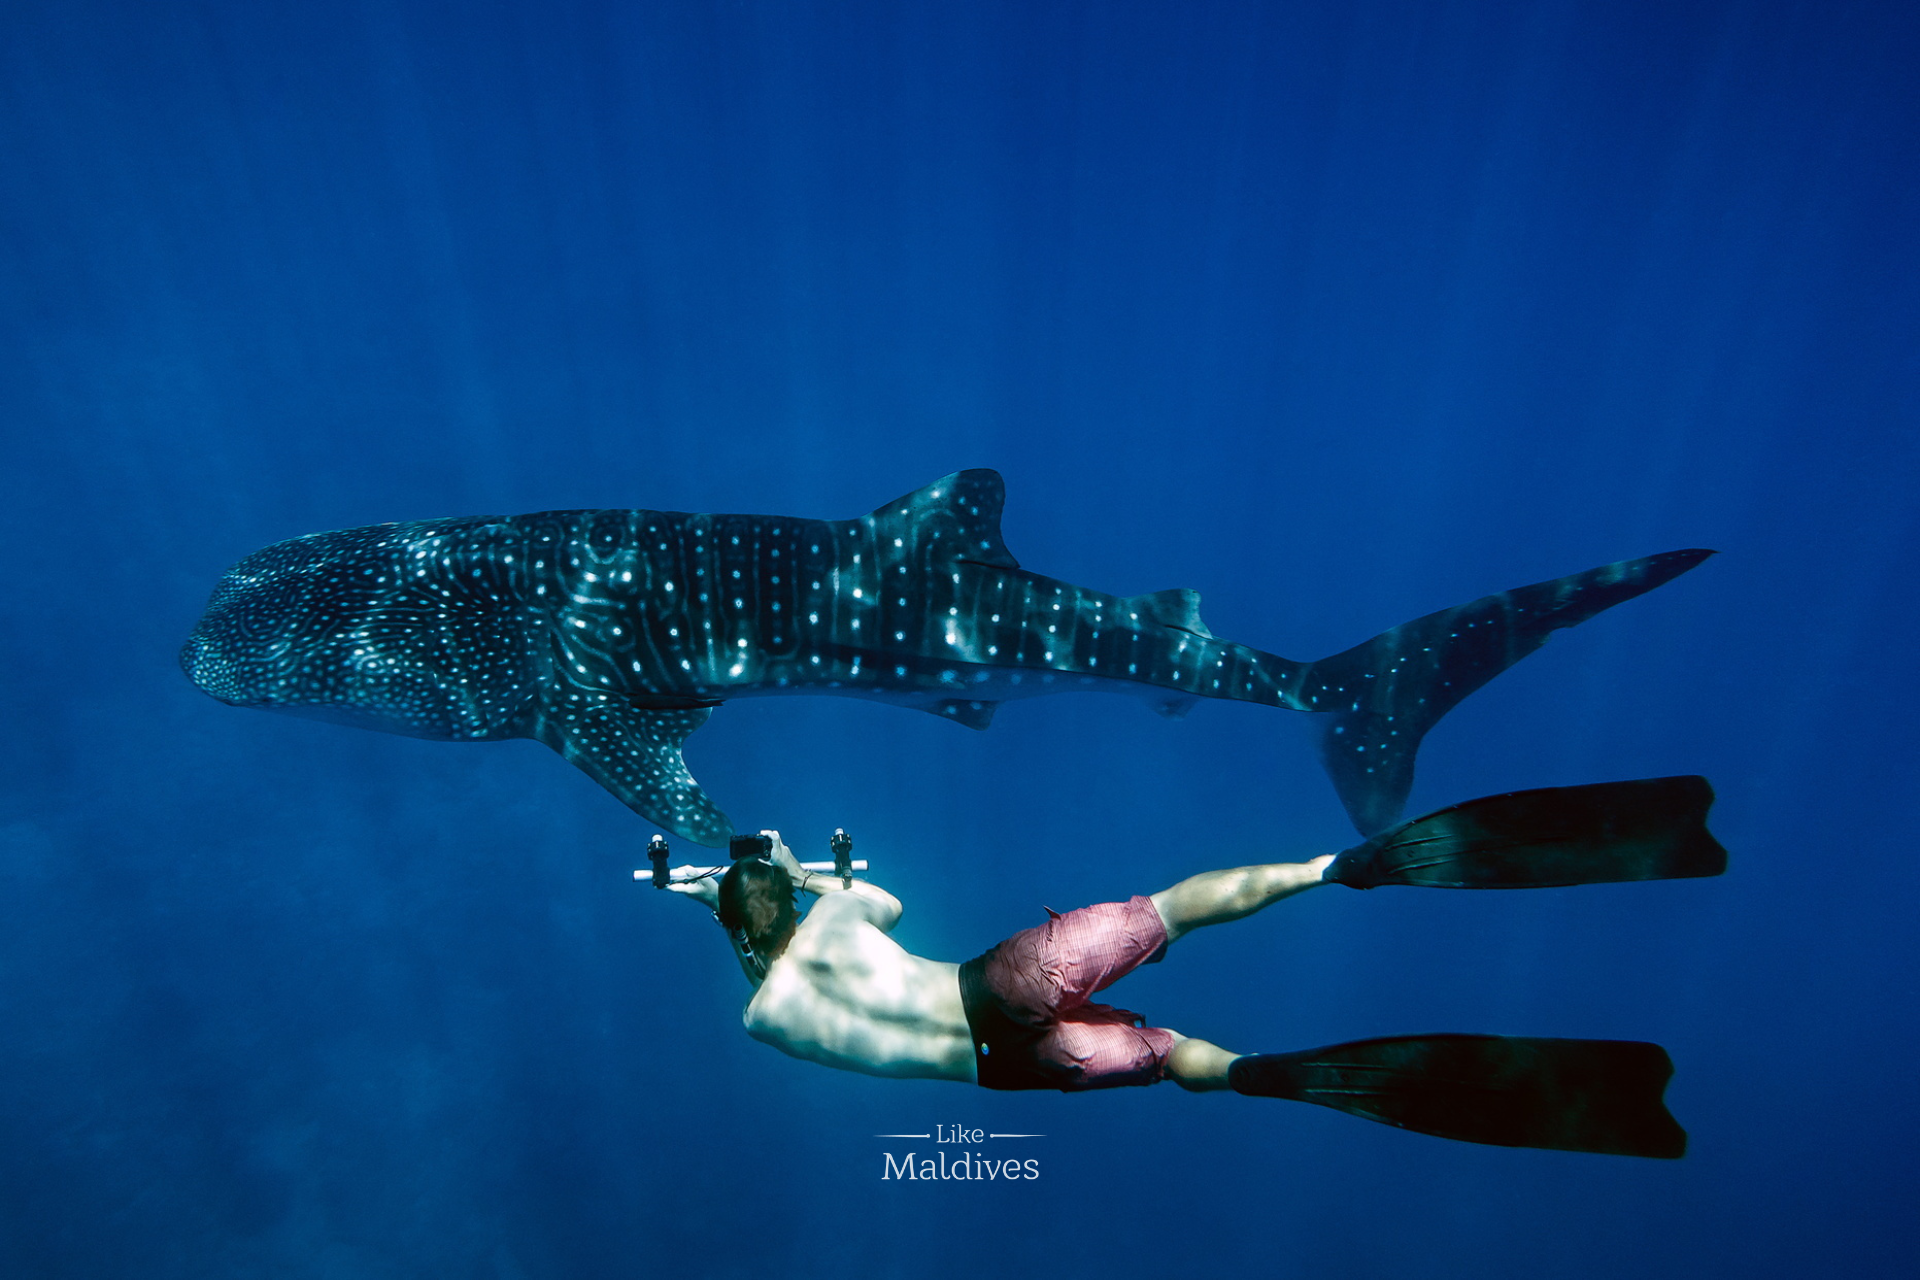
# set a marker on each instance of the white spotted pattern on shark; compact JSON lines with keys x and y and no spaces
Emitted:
{"x":609,"y":635}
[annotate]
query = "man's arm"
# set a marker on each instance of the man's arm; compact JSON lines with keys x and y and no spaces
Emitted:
{"x":705,"y":890}
{"x":881,"y":908}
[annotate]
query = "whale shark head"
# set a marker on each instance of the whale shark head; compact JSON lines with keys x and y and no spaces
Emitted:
{"x":341,"y":627}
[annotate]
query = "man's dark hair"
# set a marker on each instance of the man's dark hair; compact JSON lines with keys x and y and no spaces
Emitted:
{"x":757,"y":898}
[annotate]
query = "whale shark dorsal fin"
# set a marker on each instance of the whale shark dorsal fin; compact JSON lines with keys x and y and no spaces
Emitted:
{"x":634,"y":752}
{"x":961,"y":510}
{"x":1178,"y":607}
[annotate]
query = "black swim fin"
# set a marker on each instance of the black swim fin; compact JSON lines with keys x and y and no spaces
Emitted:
{"x":1648,"y":829}
{"x":1602,"y":1096}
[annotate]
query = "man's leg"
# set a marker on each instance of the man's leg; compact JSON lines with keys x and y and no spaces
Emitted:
{"x":1197,"y":1066}
{"x":1215,"y":897}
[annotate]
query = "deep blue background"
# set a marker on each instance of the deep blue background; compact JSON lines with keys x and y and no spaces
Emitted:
{"x":1339,"y":312}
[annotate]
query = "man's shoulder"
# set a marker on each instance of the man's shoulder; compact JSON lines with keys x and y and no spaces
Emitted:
{"x":839,"y":932}
{"x":793,"y":986}
{"x":785,"y":983}
{"x":835,"y":911}
{"x":762,"y":1010}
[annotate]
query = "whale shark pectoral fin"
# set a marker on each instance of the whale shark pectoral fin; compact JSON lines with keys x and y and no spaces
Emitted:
{"x":634,"y":752}
{"x":1178,"y":608}
{"x":959,"y":513}
{"x":1174,"y":708}
{"x":970,"y":712}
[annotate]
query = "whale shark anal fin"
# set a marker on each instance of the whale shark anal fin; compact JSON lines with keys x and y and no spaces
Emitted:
{"x":970,"y":712}
{"x":634,"y":752}
{"x":958,"y":514}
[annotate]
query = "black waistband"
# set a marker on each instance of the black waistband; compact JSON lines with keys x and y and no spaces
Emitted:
{"x":1003,"y":1047}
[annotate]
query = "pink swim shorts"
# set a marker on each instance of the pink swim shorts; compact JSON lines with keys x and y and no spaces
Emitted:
{"x":1028,"y":1003}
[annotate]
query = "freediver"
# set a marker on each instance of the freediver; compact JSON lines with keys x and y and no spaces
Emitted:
{"x":835,"y":988}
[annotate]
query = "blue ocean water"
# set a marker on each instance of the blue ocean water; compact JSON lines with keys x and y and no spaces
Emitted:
{"x":1339,"y":313}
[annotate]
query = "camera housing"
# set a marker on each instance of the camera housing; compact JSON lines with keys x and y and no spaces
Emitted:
{"x":750,"y":847}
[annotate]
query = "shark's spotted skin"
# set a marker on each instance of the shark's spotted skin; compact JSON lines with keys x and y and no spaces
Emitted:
{"x":609,"y":635}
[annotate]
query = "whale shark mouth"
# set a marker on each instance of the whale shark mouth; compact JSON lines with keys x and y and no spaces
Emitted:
{"x":194,"y":661}
{"x":353,"y":716}
{"x":214,"y":674}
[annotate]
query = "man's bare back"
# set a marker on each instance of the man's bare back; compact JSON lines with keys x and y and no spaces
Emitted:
{"x":845,"y":994}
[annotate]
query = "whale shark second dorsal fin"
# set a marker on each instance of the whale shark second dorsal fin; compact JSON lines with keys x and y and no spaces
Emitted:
{"x":970,"y":712}
{"x":1177,"y":607}
{"x":960,"y":512}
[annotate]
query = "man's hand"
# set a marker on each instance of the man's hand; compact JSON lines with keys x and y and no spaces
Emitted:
{"x":706,"y":889}
{"x":783,"y":857}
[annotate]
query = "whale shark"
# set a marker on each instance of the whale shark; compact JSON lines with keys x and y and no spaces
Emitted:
{"x":610,"y":636}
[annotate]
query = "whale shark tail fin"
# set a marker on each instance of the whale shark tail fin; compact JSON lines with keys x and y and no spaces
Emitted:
{"x":1385,"y":694}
